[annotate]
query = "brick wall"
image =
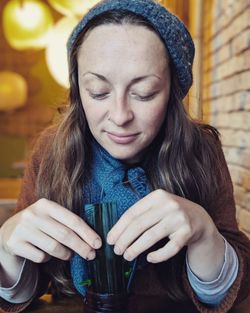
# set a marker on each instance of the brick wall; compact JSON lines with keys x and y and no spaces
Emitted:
{"x":226,"y":90}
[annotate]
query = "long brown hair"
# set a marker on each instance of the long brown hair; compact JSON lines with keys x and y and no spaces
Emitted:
{"x":182,"y":159}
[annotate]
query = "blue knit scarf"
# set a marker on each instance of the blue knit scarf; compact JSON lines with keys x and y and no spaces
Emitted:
{"x":111,"y":180}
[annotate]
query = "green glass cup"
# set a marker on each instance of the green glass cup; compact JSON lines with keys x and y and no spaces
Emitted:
{"x":108,"y":272}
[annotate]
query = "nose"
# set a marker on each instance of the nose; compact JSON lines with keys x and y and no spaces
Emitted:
{"x":120,"y":112}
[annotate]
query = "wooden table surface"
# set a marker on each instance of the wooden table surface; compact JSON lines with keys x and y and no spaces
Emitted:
{"x":75,"y":305}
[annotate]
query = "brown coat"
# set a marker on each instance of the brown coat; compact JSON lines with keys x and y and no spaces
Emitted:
{"x":148,"y":290}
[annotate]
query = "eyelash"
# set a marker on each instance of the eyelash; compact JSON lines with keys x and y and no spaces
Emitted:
{"x":146,"y":98}
{"x":103,"y":96}
{"x":98,"y":96}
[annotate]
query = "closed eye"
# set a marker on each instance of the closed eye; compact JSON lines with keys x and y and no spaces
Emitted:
{"x":99,"y":96}
{"x":145,"y":98}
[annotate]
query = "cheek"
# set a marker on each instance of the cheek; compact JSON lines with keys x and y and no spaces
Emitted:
{"x":155,"y":118}
{"x":92,"y":115}
{"x":93,"y":112}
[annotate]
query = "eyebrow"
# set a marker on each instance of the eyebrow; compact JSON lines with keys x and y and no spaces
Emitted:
{"x":133,"y":81}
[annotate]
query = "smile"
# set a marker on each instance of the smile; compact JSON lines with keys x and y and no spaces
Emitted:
{"x":122,"y":138}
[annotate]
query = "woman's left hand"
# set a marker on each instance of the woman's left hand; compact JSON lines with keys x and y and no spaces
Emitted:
{"x":160,"y":215}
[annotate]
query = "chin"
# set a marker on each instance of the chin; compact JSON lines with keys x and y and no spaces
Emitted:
{"x":125,"y":157}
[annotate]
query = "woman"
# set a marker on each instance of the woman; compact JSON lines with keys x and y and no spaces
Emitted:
{"x":126,"y":137}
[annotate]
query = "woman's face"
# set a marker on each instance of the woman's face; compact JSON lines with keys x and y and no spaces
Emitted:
{"x":124,"y":83}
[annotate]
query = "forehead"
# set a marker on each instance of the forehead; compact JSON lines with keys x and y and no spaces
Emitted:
{"x":127,"y":44}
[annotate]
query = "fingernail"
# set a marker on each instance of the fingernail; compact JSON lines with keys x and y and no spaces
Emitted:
{"x":117,"y":250}
{"x":97,"y":244}
{"x":91,"y":256}
{"x":127,"y":256}
{"x":150,"y":258}
{"x":110,"y":240}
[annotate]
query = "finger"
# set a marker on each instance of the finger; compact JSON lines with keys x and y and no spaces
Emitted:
{"x":139,"y":226}
{"x":28,"y":251}
{"x":133,"y":212}
{"x":177,"y":241}
{"x":146,"y":240}
{"x":149,"y":228}
{"x":46,"y":244}
{"x":65,"y":236}
{"x":72,"y":221}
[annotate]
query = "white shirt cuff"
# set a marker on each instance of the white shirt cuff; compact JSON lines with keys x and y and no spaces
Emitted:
{"x":25,"y":286}
{"x":213,"y":292}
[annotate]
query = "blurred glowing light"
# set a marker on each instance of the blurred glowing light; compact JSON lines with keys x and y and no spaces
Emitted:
{"x":27,"y":23}
{"x":29,"y":15}
{"x":69,"y":7}
{"x":56,"y":52}
{"x":13,"y":91}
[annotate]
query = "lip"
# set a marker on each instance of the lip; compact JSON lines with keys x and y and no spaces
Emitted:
{"x":122,"y":138}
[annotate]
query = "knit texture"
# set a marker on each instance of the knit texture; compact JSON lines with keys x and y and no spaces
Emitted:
{"x":110,"y":181}
{"x":173,"y":32}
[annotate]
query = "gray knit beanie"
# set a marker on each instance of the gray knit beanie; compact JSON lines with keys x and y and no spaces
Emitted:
{"x":173,"y":32}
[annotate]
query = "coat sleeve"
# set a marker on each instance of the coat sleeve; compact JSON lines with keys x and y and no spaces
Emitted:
{"x":26,"y":198}
{"x":223,"y":212}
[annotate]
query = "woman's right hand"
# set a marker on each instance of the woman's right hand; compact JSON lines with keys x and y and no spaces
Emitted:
{"x":46,"y":229}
